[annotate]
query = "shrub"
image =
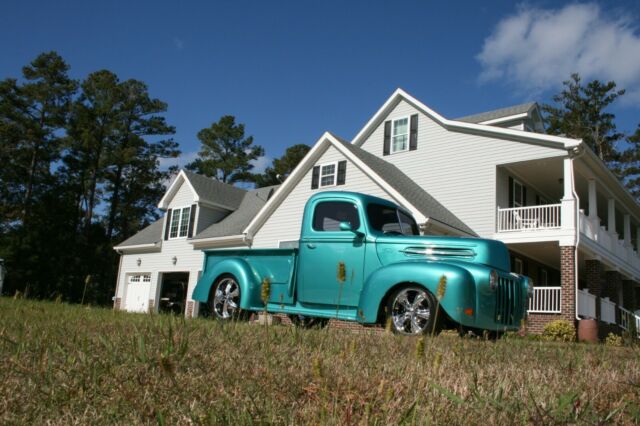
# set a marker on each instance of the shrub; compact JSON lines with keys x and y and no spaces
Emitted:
{"x":560,"y":331}
{"x":613,"y":340}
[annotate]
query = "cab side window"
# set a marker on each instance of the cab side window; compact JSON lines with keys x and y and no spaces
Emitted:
{"x":328,"y":215}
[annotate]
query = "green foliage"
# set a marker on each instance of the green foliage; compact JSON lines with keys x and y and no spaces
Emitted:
{"x":282,"y":166}
{"x":559,"y":331}
{"x":580,"y":113}
{"x":138,"y":369}
{"x":80,"y":172}
{"x":613,"y":340}
{"x":226,"y":154}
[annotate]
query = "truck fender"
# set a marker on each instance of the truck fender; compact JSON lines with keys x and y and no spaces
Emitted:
{"x":459,"y":291}
{"x":243,"y":273}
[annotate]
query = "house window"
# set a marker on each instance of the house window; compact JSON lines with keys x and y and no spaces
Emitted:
{"x":328,"y":174}
{"x":518,"y":194}
{"x":180,"y":222}
{"x":400,"y":135}
{"x":146,"y":278}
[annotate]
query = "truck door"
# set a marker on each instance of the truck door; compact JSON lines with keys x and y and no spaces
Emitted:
{"x":332,"y":260}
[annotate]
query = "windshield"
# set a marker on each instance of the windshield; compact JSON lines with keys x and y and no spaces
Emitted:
{"x":391,"y":221}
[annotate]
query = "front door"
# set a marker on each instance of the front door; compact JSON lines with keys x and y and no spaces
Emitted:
{"x":332,"y":260}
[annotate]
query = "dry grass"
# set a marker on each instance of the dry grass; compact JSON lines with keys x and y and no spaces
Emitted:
{"x":63,"y":364}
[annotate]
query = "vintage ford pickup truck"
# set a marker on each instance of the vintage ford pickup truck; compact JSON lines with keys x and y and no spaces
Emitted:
{"x":361,"y":258}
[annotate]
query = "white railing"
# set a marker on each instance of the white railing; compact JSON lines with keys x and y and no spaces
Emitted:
{"x":545,"y":300}
{"x":626,"y":319}
{"x":529,"y":218}
{"x":607,"y":311}
{"x":586,"y":304}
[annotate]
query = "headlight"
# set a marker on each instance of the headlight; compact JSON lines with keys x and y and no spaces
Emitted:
{"x":530,"y":288}
{"x":493,"y":280}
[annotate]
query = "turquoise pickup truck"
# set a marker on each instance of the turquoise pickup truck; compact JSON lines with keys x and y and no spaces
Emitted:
{"x":361,"y":258}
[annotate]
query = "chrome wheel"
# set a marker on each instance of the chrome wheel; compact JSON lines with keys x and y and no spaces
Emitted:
{"x":411,"y":311}
{"x":226,"y":298}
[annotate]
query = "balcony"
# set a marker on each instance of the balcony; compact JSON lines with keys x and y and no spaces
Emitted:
{"x":529,"y":218}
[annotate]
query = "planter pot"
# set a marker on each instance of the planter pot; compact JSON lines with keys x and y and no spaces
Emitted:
{"x":588,"y":330}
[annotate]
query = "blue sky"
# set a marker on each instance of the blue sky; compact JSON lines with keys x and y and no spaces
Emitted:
{"x":291,"y":70}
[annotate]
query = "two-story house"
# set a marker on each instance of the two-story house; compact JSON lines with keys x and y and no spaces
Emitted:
{"x":567,"y":221}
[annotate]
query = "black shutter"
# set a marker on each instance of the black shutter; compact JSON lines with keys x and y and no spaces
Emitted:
{"x":315,"y":177}
{"x":512,"y":260}
{"x":342,"y":172}
{"x":413,"y":133}
{"x":192,"y":219}
{"x":524,"y":196}
{"x":167,"y":225}
{"x":525,"y":267}
{"x":537,"y":200}
{"x":510,"y":191}
{"x":387,"y":138}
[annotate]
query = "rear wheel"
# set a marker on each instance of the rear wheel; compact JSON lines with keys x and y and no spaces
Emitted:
{"x":224,"y":300}
{"x":411,"y":311}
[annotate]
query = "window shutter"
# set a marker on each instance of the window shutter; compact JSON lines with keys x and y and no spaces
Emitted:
{"x":513,"y":263}
{"x":342,"y":172}
{"x":524,"y":196}
{"x":192,"y":219}
{"x":315,"y":177}
{"x":167,"y":224}
{"x":510,"y":192}
{"x":413,"y":133}
{"x":525,"y":267}
{"x":387,"y":138}
{"x":537,"y":200}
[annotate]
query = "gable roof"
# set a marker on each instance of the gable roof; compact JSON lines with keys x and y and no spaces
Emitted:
{"x":149,"y":236}
{"x":207,"y":191}
{"x":461,"y":126}
{"x":235,"y":223}
{"x":398,"y":185}
{"x":502,"y":114}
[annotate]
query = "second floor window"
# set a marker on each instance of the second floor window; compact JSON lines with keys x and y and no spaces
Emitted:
{"x":328,"y":175}
{"x":180,"y":222}
{"x":400,"y":135}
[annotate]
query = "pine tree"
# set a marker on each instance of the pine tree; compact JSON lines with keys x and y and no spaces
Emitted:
{"x":282,"y":167}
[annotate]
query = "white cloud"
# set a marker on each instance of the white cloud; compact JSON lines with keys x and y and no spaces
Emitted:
{"x":181,"y":161}
{"x":535,"y":49}
{"x":260,"y":164}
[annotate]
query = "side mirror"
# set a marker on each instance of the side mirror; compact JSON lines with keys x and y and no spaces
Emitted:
{"x":345,"y":226}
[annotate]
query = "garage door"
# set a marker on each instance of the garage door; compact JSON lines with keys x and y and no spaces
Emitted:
{"x":138,"y":288}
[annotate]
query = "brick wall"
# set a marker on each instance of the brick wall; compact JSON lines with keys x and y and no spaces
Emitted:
{"x":152,"y":306}
{"x":627,"y":294}
{"x":117,"y":303}
{"x":189,"y":310}
{"x":594,"y":277}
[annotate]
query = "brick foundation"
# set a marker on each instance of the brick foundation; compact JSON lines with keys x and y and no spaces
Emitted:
{"x":613,"y":281}
{"x":152,"y":306}
{"x":189,"y":310}
{"x":117,"y":303}
{"x":594,"y":276}
{"x":627,"y":295}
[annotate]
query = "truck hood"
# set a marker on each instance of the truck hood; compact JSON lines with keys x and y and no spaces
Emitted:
{"x":392,"y":249}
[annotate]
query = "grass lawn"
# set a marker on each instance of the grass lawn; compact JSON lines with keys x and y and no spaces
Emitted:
{"x":63,"y":364}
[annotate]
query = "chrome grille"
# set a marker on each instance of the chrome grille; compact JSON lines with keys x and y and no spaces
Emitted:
{"x":508,"y":307}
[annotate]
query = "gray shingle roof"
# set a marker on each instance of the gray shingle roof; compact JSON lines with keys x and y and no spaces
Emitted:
{"x":149,"y":235}
{"x":214,"y":191}
{"x":237,"y":221}
{"x":421,"y":199}
{"x":498,"y":113}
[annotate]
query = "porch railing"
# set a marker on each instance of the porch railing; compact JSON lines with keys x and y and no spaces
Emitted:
{"x":607,"y":310}
{"x":627,"y":318}
{"x":529,"y":218}
{"x":586,"y":304}
{"x":545,"y":300}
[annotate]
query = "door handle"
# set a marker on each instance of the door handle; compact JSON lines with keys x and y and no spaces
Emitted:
{"x":311,"y":246}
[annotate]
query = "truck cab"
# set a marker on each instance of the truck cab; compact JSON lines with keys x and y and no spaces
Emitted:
{"x":362,"y":258}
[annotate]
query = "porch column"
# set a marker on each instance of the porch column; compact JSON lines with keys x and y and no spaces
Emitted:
{"x":568,"y":215}
{"x":612,"y":218}
{"x":593,"y":199}
{"x":567,"y":282}
{"x":594,"y":274}
{"x":627,"y":230}
{"x":627,"y":294}
{"x":611,"y":288}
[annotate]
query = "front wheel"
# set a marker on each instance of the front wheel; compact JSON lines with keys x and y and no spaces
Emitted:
{"x":224,"y":300}
{"x":411,"y":311}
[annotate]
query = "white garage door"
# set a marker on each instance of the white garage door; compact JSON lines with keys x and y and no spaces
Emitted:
{"x":138,"y":288}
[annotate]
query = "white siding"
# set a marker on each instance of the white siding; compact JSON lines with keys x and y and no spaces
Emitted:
{"x":184,"y":197}
{"x":457,"y":169}
{"x":285,"y":222}
{"x":207,"y":217}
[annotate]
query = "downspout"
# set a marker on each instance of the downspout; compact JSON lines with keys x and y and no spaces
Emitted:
{"x":575,"y":152}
